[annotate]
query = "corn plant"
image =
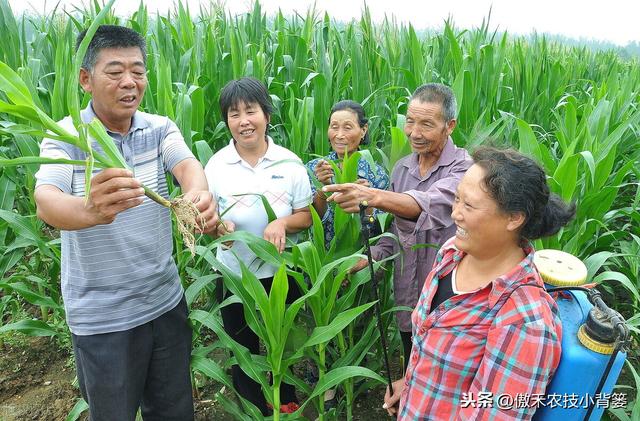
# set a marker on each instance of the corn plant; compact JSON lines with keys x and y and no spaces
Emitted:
{"x":273,"y":321}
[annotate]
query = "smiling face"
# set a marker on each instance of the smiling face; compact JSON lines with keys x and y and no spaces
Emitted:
{"x":483,"y":228}
{"x":116,"y":83}
{"x":426,"y":128}
{"x":248,"y":125}
{"x":345,"y":133}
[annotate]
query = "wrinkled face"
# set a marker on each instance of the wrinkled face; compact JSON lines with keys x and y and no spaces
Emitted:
{"x":482,"y":227}
{"x":345,"y":133}
{"x":426,"y":129}
{"x":116,"y":84}
{"x":248,"y":125}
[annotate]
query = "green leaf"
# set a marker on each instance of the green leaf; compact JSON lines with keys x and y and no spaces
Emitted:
{"x":14,"y":87}
{"x":80,"y":407}
{"x":276,"y":309}
{"x":26,"y":160}
{"x":211,"y":369}
{"x":242,"y":354}
{"x":619,"y":277}
{"x":338,"y":376}
{"x":323,"y":334}
{"x":78,"y":57}
{"x":530,"y":146}
{"x":271,"y":215}
{"x":28,"y":294}
{"x":23,"y":226}
{"x":566,"y":175}
{"x":192,"y":292}
{"x":595,"y":262}
{"x":587,"y":156}
{"x":7,"y":197}
{"x":21,"y":111}
{"x":29,"y":327}
{"x":263,"y":249}
{"x":203,"y":151}
{"x":234,"y":282}
{"x":100,"y":135}
{"x":317,"y":229}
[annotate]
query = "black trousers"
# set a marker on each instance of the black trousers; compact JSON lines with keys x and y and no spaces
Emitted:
{"x":147,"y":367}
{"x":236,"y":326}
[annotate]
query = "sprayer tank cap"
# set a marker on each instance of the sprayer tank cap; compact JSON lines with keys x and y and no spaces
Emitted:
{"x":559,"y":268}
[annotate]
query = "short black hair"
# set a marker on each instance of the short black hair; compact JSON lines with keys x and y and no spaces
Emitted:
{"x":518,"y":184}
{"x":110,"y":36}
{"x":247,"y":90}
{"x":358,"y":110}
{"x":438,"y":93}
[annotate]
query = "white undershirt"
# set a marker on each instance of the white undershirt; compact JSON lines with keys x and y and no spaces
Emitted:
{"x":453,"y":282}
{"x":455,"y":290}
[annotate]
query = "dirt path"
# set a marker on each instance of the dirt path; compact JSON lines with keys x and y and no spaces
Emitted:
{"x":36,"y":378}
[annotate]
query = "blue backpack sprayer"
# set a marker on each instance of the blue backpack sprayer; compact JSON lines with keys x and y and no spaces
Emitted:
{"x":595,"y":339}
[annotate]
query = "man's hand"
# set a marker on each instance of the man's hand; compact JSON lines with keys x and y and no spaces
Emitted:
{"x":225,"y":227}
{"x":324,"y":172}
{"x":207,"y":206}
{"x":349,"y":196}
{"x":113,"y":190}
{"x":358,"y":266}
{"x":276,"y":234}
{"x":391,"y":402}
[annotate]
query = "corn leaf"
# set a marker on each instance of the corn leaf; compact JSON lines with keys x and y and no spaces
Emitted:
{"x":242,"y":354}
{"x":6,"y":162}
{"x":77,"y":410}
{"x":29,"y":327}
{"x":322,"y":334}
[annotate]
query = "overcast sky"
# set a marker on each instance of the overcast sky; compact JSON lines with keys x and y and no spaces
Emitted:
{"x":616,"y":21}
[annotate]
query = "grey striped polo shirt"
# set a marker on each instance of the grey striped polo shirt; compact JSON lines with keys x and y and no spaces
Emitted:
{"x":120,"y":275}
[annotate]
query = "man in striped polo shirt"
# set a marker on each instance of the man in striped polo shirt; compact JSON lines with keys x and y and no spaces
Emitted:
{"x":123,"y":298}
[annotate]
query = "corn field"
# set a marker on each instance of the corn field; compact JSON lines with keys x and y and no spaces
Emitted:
{"x":575,"y":111}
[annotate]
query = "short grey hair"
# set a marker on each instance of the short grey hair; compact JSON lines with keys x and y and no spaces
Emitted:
{"x":438,"y":93}
{"x":110,"y":36}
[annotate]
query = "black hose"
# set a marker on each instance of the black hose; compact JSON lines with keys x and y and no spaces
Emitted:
{"x":364,"y":221}
{"x":603,"y":379}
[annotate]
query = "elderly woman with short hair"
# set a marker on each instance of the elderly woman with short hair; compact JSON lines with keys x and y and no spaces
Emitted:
{"x":348,"y":131}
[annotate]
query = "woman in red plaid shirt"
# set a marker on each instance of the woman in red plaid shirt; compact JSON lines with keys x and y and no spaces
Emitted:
{"x":486,"y":335}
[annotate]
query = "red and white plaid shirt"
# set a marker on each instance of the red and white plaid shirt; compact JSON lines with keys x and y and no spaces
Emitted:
{"x":484,"y":355}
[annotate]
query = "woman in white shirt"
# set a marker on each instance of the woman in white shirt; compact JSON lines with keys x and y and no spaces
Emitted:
{"x":236,"y":175}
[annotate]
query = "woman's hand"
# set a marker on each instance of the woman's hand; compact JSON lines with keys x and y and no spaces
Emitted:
{"x":276,"y":234}
{"x":324,"y":172}
{"x":391,"y":402}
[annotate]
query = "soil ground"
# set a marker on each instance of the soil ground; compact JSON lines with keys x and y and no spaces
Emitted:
{"x":36,"y":383}
{"x":36,"y":378}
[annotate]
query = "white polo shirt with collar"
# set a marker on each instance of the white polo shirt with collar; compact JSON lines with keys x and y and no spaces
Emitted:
{"x":285,"y":185}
